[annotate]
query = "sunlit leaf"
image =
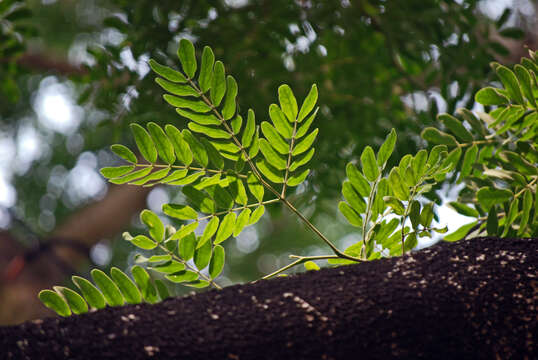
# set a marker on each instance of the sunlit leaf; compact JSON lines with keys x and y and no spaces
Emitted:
{"x":356,"y":201}
{"x":489,"y":196}
{"x":250,"y":127}
{"x":181,"y":147}
{"x":198,"y":106}
{"x":226,"y":228}
{"x":198,"y":150}
{"x":154,"y":224}
{"x":309,"y":103}
{"x":184,"y":231}
{"x":202,"y":119}
{"x":182,"y":276}
{"x":218,"y":84}
{"x":74,"y":300}
{"x":144,"y":143}
{"x":256,"y":215}
{"x":110,"y":290}
{"x":187,"y":246}
{"x":310,"y":265}
{"x":255,"y":187}
{"x":305,"y":144}
{"x":269,"y":171}
{"x":126,"y":285}
{"x":288,"y":103}
{"x":241,"y":222}
{"x":177,"y":89}
{"x":162,"y":290}
{"x":274,"y":138}
{"x":91,"y":294}
{"x":358,"y":180}
{"x":167,"y":72}
{"x":228,"y":109}
{"x":202,"y":255}
{"x":456,"y":127}
{"x":280,"y":122}
{"x":396,"y":205}
{"x":217,"y":261}
{"x":54,"y":302}
{"x":181,"y":212}
{"x":385,"y":151}
{"x":112,"y":172}
{"x":206,"y":69}
{"x":436,"y":136}
{"x":369,"y":164}
{"x":490,"y":96}
{"x":187,"y":57}
{"x":351,"y":215}
{"x":272,"y":156}
{"x":188,"y":180}
{"x":142,"y":279}
{"x":460,"y":233}
{"x":302,"y":160}
{"x":169,"y":267}
{"x":400,"y":190}
{"x":510,"y":83}
{"x":297,"y":178}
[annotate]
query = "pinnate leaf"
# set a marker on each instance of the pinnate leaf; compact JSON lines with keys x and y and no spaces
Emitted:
{"x":124,"y":152}
{"x":144,"y":143}
{"x":187,"y":57}
{"x":54,"y":302}
{"x":369,"y":164}
{"x":308,"y":103}
{"x":288,"y":103}
{"x":110,"y":290}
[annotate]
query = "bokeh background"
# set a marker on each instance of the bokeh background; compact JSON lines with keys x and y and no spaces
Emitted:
{"x":74,"y":74}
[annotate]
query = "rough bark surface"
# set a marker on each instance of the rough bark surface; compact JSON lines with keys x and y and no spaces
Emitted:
{"x":473,"y":299}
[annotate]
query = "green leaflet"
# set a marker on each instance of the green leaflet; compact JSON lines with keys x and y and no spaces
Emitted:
{"x":525,"y":215}
{"x":511,"y":84}
{"x":206,"y":182}
{"x":212,"y":132}
{"x":414,"y":214}
{"x":182,"y":276}
{"x":142,"y":279}
{"x":241,"y":222}
{"x":309,"y":103}
{"x":418,"y":163}
{"x":255,"y":187}
{"x":228,"y":109}
{"x":463,"y":209}
{"x":202,"y":256}
{"x":110,"y":290}
{"x":509,"y":219}
{"x":358,"y":180}
{"x":127,"y":287}
{"x":187,"y":57}
{"x":176,"y":89}
{"x":303,"y":129}
{"x":250,"y":127}
{"x":468,"y":160}
{"x":305,"y":143}
{"x":184,"y":231}
{"x":156,"y":175}
{"x":176,"y":175}
{"x":198,"y":284}
{"x":206,"y":69}
{"x":143,"y":242}
{"x":181,"y":212}
{"x":297,"y":178}
{"x":456,"y":127}
{"x":162,"y":290}
{"x":253,"y":151}
{"x":74,"y":300}
{"x":124,"y":153}
{"x":54,"y":302}
{"x":195,"y":105}
{"x":222,"y":198}
{"x":187,"y":246}
{"x":217,"y":262}
{"x":435,"y":136}
{"x":426,"y":216}
{"x":181,"y":147}
{"x":288,"y":103}
{"x":369,"y":164}
{"x":274,"y":138}
{"x":202,"y":119}
{"x":198,"y":150}
{"x":226,"y":228}
{"x":526,"y":83}
{"x":112,"y":172}
{"x":396,"y":205}
{"x":154,"y":224}
{"x":163,"y":145}
{"x":236,"y":123}
{"x":169,"y":267}
{"x":213,"y":154}
{"x":209,"y":231}
{"x":357,"y":203}
{"x":492,"y":223}
{"x":310,"y":265}
{"x":167,"y":72}
{"x":270,"y":172}
{"x":351,"y":215}
{"x":280,"y":122}
{"x":144,"y":143}
{"x":302,"y":160}
{"x":237,"y":190}
{"x":399,"y":189}
{"x":218,"y":84}
{"x":385,"y":151}
{"x":92,"y":295}
{"x":271,"y":156}
{"x":256,"y":215}
{"x":200,"y":199}
{"x":189,"y":179}
{"x":489,"y":196}
{"x":490,"y":96}
{"x":460,"y":233}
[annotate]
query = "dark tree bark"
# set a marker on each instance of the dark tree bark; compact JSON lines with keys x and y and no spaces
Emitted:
{"x":473,"y":299}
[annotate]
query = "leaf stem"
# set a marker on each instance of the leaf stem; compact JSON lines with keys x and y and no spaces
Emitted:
{"x":187,"y":265}
{"x":292,"y":143}
{"x":300,"y":260}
